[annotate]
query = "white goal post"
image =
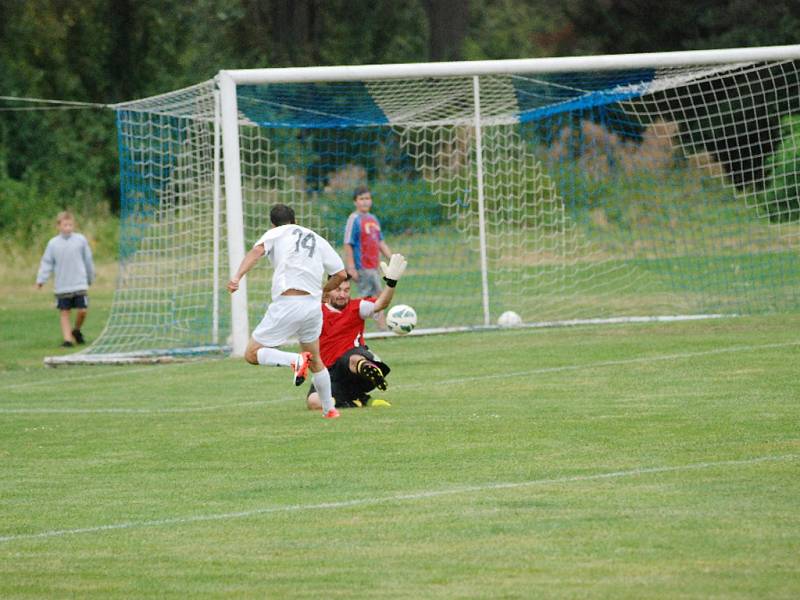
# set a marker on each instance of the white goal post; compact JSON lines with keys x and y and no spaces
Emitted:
{"x":574,"y":190}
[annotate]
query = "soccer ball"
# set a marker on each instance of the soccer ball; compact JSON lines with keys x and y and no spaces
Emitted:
{"x":401,"y":319}
{"x":509,"y":319}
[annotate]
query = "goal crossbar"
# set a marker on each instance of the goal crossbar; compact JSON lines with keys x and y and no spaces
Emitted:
{"x":522,"y":66}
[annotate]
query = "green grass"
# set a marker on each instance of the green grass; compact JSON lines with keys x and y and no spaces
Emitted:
{"x":29,"y":319}
{"x":647,"y":461}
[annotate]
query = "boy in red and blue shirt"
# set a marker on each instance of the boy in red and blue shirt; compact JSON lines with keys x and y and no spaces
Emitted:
{"x":363,"y":246}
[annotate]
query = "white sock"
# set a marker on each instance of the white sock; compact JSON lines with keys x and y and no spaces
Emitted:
{"x":276,"y":358}
{"x":322,"y":382}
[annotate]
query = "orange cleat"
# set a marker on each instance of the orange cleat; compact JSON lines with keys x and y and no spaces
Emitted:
{"x":331,"y":414}
{"x":300,"y":368}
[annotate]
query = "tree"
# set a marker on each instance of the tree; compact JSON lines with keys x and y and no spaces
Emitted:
{"x":447,"y":24}
{"x":623,"y":26}
{"x":512,"y":29}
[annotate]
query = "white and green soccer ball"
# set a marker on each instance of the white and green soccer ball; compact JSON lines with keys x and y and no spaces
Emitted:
{"x":509,"y":319}
{"x":401,"y":319}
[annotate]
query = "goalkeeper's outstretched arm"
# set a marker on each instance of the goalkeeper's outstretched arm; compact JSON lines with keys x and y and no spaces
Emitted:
{"x":391,"y":275}
{"x":250,"y":259}
{"x":384,"y":299}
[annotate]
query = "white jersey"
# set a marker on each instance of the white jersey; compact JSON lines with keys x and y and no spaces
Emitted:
{"x":299,"y":258}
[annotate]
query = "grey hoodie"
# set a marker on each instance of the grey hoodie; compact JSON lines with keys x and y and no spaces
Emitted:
{"x":71,"y":259}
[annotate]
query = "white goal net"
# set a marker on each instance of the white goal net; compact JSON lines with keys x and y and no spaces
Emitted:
{"x":601,"y":189}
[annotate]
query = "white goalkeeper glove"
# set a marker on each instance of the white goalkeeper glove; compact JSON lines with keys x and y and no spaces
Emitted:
{"x":394,"y":270}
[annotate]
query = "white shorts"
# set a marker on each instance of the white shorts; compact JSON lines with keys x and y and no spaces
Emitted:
{"x":289,"y":317}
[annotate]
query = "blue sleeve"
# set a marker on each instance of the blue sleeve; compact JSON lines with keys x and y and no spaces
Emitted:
{"x":352,"y":230}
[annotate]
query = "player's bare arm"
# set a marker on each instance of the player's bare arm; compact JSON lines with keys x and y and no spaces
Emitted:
{"x":250,"y":259}
{"x":387,"y":253}
{"x":334,"y":281}
{"x":384,"y":300}
{"x":350,"y":262}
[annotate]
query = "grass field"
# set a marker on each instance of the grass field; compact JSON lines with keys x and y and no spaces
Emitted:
{"x":641,"y":461}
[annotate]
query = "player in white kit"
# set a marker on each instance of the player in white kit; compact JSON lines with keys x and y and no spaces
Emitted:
{"x":300,"y":258}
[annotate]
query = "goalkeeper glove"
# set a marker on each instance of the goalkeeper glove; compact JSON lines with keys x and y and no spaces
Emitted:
{"x":394,"y":270}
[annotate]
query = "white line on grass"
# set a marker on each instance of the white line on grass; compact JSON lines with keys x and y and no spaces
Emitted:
{"x":463,"y":379}
{"x":127,"y":371}
{"x":393,"y":498}
{"x":605,"y":363}
{"x":142,"y":411}
{"x":106,"y":373}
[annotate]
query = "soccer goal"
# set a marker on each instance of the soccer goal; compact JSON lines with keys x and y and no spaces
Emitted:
{"x":568,"y":190}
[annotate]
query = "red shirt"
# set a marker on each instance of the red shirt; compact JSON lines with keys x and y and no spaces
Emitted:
{"x":341,"y":330}
{"x":363,"y":233}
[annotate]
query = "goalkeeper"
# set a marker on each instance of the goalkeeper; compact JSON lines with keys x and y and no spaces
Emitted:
{"x":355,"y":371}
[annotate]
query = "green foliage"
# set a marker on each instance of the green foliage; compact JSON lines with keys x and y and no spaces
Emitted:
{"x":400,"y":205}
{"x":615,"y":208}
{"x":624,"y":26}
{"x":26,"y":214}
{"x":781,"y":197}
{"x":27,"y":218}
{"x":511,"y":29}
{"x":105,"y":52}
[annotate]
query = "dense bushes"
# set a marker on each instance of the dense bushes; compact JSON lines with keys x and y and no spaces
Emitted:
{"x":781,"y":197}
{"x":400,"y":205}
{"x":27,"y":218}
{"x":23,"y":210}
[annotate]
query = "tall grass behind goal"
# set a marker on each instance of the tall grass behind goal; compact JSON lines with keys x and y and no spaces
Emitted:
{"x":561,"y":189}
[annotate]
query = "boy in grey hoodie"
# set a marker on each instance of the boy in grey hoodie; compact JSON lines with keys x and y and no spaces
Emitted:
{"x":69,"y":256}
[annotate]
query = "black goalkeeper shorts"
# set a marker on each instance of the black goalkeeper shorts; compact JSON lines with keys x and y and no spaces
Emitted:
{"x":346,"y":386}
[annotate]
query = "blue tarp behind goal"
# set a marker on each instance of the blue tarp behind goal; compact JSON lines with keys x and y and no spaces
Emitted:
{"x":545,"y":96}
{"x":351,"y":104}
{"x":318,"y":105}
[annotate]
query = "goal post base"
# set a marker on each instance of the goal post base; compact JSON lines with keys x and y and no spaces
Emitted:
{"x":149,"y":357}
{"x":155,"y":357}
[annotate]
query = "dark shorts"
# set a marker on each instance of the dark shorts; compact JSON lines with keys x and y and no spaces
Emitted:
{"x":346,"y":386}
{"x":72,"y":300}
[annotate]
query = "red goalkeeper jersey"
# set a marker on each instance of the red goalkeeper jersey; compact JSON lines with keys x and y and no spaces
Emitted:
{"x":341,"y":330}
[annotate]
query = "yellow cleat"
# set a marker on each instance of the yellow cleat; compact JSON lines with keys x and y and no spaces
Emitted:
{"x":377,"y":403}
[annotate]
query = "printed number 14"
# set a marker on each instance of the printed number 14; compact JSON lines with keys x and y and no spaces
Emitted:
{"x":308,"y":242}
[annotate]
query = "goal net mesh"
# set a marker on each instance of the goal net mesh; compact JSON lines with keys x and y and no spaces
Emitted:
{"x":606,"y":194}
